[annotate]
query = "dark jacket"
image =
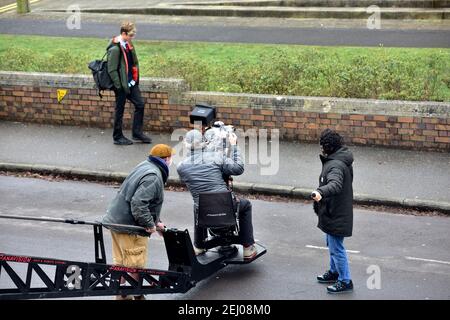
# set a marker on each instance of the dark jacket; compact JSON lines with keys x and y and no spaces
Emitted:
{"x":118,"y":66}
{"x":335,"y":210}
{"x":139,"y":199}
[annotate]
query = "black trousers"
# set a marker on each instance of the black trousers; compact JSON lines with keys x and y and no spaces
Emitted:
{"x":245,"y":226}
{"x":136,"y":99}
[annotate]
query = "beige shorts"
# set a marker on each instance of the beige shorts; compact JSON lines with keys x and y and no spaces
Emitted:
{"x":129,"y":250}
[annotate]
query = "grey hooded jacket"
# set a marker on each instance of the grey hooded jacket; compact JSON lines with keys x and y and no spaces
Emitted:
{"x":139,"y":199}
{"x":202,"y":171}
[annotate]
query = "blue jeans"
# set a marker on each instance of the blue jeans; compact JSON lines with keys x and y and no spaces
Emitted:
{"x":338,"y":258}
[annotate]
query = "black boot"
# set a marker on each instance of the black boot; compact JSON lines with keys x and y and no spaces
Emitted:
{"x":328,"y":277}
{"x":123,"y":141}
{"x":340,"y":287}
{"x":142,"y":137}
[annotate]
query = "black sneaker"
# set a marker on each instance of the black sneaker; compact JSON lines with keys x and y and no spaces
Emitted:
{"x":328,"y":277}
{"x":142,"y":137}
{"x":122,"y":141}
{"x":340,"y":287}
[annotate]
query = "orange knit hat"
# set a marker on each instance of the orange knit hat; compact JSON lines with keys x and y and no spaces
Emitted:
{"x":162,"y":151}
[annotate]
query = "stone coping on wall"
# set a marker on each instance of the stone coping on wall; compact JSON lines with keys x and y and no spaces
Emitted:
{"x":39,"y":79}
{"x":321,"y":104}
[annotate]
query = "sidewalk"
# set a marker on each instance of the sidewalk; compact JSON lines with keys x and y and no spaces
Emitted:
{"x":50,"y":10}
{"x":313,"y":9}
{"x":378,"y":172}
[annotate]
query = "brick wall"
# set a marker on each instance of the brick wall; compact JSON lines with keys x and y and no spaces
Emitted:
{"x":79,"y":107}
{"x":412,"y":125}
{"x":408,"y":132}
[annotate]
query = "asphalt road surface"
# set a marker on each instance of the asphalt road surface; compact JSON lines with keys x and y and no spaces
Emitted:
{"x":239,"y":34}
{"x":411,"y":252}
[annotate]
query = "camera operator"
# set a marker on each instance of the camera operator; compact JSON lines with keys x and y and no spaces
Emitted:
{"x":203,"y":170}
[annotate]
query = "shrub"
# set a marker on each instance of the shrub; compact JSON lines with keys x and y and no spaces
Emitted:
{"x":379,"y":73}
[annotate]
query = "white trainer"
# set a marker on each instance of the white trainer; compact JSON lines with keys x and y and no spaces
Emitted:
{"x":250,"y":252}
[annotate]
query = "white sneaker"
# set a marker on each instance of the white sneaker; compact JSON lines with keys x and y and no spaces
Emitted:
{"x":199,"y":251}
{"x":250,"y":252}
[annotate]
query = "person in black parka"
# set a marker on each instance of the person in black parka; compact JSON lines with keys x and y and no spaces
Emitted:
{"x":333,"y":204}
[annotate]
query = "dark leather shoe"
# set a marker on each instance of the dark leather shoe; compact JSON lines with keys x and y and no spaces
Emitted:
{"x":328,"y":277}
{"x":142,"y":137}
{"x":122,"y":141}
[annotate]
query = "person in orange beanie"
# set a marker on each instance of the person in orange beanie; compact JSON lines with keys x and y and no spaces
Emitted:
{"x":138,"y":203}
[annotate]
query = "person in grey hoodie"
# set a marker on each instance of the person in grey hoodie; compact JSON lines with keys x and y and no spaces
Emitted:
{"x":203,"y":170}
{"x":138,"y":203}
{"x":334,"y":207}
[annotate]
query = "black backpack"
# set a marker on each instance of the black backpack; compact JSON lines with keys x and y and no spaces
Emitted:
{"x":101,"y":76}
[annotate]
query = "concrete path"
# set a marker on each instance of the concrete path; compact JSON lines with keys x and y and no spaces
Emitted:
{"x":378,"y":172}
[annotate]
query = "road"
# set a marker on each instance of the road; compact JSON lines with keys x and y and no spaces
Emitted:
{"x":239,"y":34}
{"x":410,"y":251}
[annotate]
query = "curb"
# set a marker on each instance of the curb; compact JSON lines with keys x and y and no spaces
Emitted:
{"x":245,"y":187}
{"x":272,"y":12}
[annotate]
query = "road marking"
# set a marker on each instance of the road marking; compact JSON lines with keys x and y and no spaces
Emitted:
{"x":8,"y":7}
{"x":428,"y":260}
{"x":13,"y":6}
{"x":408,"y":258}
{"x":325,"y":248}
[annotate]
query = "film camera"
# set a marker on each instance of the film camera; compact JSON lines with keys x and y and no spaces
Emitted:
{"x":206,"y":114}
{"x":215,"y":132}
{"x":203,"y":113}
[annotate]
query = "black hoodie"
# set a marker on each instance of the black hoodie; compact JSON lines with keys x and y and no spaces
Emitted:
{"x":335,"y":210}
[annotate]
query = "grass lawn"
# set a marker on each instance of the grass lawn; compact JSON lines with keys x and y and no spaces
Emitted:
{"x":380,"y":73}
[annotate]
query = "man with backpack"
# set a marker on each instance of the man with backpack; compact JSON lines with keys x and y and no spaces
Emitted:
{"x":123,"y":68}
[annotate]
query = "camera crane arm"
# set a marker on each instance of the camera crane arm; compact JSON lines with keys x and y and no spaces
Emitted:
{"x":80,"y":279}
